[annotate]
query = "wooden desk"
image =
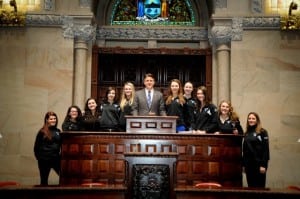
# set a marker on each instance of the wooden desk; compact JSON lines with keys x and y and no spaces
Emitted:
{"x":109,"y":158}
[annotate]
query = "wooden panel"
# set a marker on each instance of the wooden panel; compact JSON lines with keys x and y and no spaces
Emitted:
{"x":88,"y":149}
{"x":200,"y":168}
{"x":214,"y":169}
{"x":114,"y":66}
{"x":73,"y":148}
{"x":214,"y":151}
{"x":135,"y":148}
{"x":103,"y":148}
{"x":229,"y":170}
{"x":119,"y":166}
{"x":151,"y":124}
{"x":103,"y":166}
{"x":182,"y":167}
{"x":87,"y":167}
{"x":182,"y":149}
{"x":94,"y":74}
{"x":230,"y":152}
{"x":119,"y":148}
{"x":151,"y":148}
{"x":166,"y":148}
{"x":199,"y":150}
{"x":101,"y":157}
{"x":73,"y":167}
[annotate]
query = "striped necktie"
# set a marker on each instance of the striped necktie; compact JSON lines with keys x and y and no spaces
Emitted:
{"x":149,"y":98}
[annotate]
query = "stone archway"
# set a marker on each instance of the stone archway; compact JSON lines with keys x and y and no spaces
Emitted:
{"x":102,"y":10}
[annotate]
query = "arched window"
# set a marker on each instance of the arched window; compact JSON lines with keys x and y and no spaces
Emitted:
{"x":156,"y":12}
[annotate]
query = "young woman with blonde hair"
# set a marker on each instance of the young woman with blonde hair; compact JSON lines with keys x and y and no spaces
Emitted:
{"x":228,"y":120}
{"x":127,"y":99}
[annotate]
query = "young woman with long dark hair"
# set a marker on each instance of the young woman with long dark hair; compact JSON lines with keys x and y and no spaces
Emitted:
{"x":47,"y":147}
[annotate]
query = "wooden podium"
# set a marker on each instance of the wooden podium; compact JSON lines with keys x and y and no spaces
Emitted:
{"x":151,"y":124}
{"x":150,"y":158}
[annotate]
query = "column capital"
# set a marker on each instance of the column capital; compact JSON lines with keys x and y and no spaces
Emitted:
{"x":226,"y":30}
{"x":220,"y":35}
{"x":221,"y":31}
{"x":79,"y":27}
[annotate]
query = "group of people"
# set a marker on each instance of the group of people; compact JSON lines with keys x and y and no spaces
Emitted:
{"x":197,"y":115}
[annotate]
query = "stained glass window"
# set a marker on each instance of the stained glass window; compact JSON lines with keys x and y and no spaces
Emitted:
{"x":153,"y":12}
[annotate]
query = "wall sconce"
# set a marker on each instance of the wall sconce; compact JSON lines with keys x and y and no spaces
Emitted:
{"x":291,"y":21}
{"x":9,"y":14}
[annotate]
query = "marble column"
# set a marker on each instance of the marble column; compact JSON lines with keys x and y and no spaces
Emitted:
{"x":221,"y":39}
{"x":80,"y":68}
{"x":223,"y":62}
{"x":79,"y":29}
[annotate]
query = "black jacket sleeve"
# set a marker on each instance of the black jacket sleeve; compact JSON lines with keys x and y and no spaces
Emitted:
{"x":38,"y":144}
{"x":265,"y":152}
{"x":212,"y":124}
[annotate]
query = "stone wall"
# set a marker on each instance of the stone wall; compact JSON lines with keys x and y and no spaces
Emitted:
{"x":36,"y":74}
{"x":265,"y":71}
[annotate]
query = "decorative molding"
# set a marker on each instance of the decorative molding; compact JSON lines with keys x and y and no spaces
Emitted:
{"x":220,"y":35}
{"x":237,"y":29}
{"x":72,"y":26}
{"x":256,"y":6}
{"x":130,"y":33}
{"x":225,"y":31}
{"x":152,"y":51}
{"x":44,"y":20}
{"x":261,"y":22}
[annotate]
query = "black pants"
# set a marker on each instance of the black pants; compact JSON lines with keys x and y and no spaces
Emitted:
{"x":255,"y":179}
{"x":45,"y":167}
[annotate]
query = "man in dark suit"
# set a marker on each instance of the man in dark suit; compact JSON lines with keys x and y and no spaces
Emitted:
{"x":148,"y":101}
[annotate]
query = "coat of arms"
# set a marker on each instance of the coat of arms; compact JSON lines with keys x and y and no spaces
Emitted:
{"x":152,"y":8}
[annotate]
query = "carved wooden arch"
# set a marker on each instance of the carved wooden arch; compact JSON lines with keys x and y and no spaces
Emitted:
{"x":102,"y":10}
